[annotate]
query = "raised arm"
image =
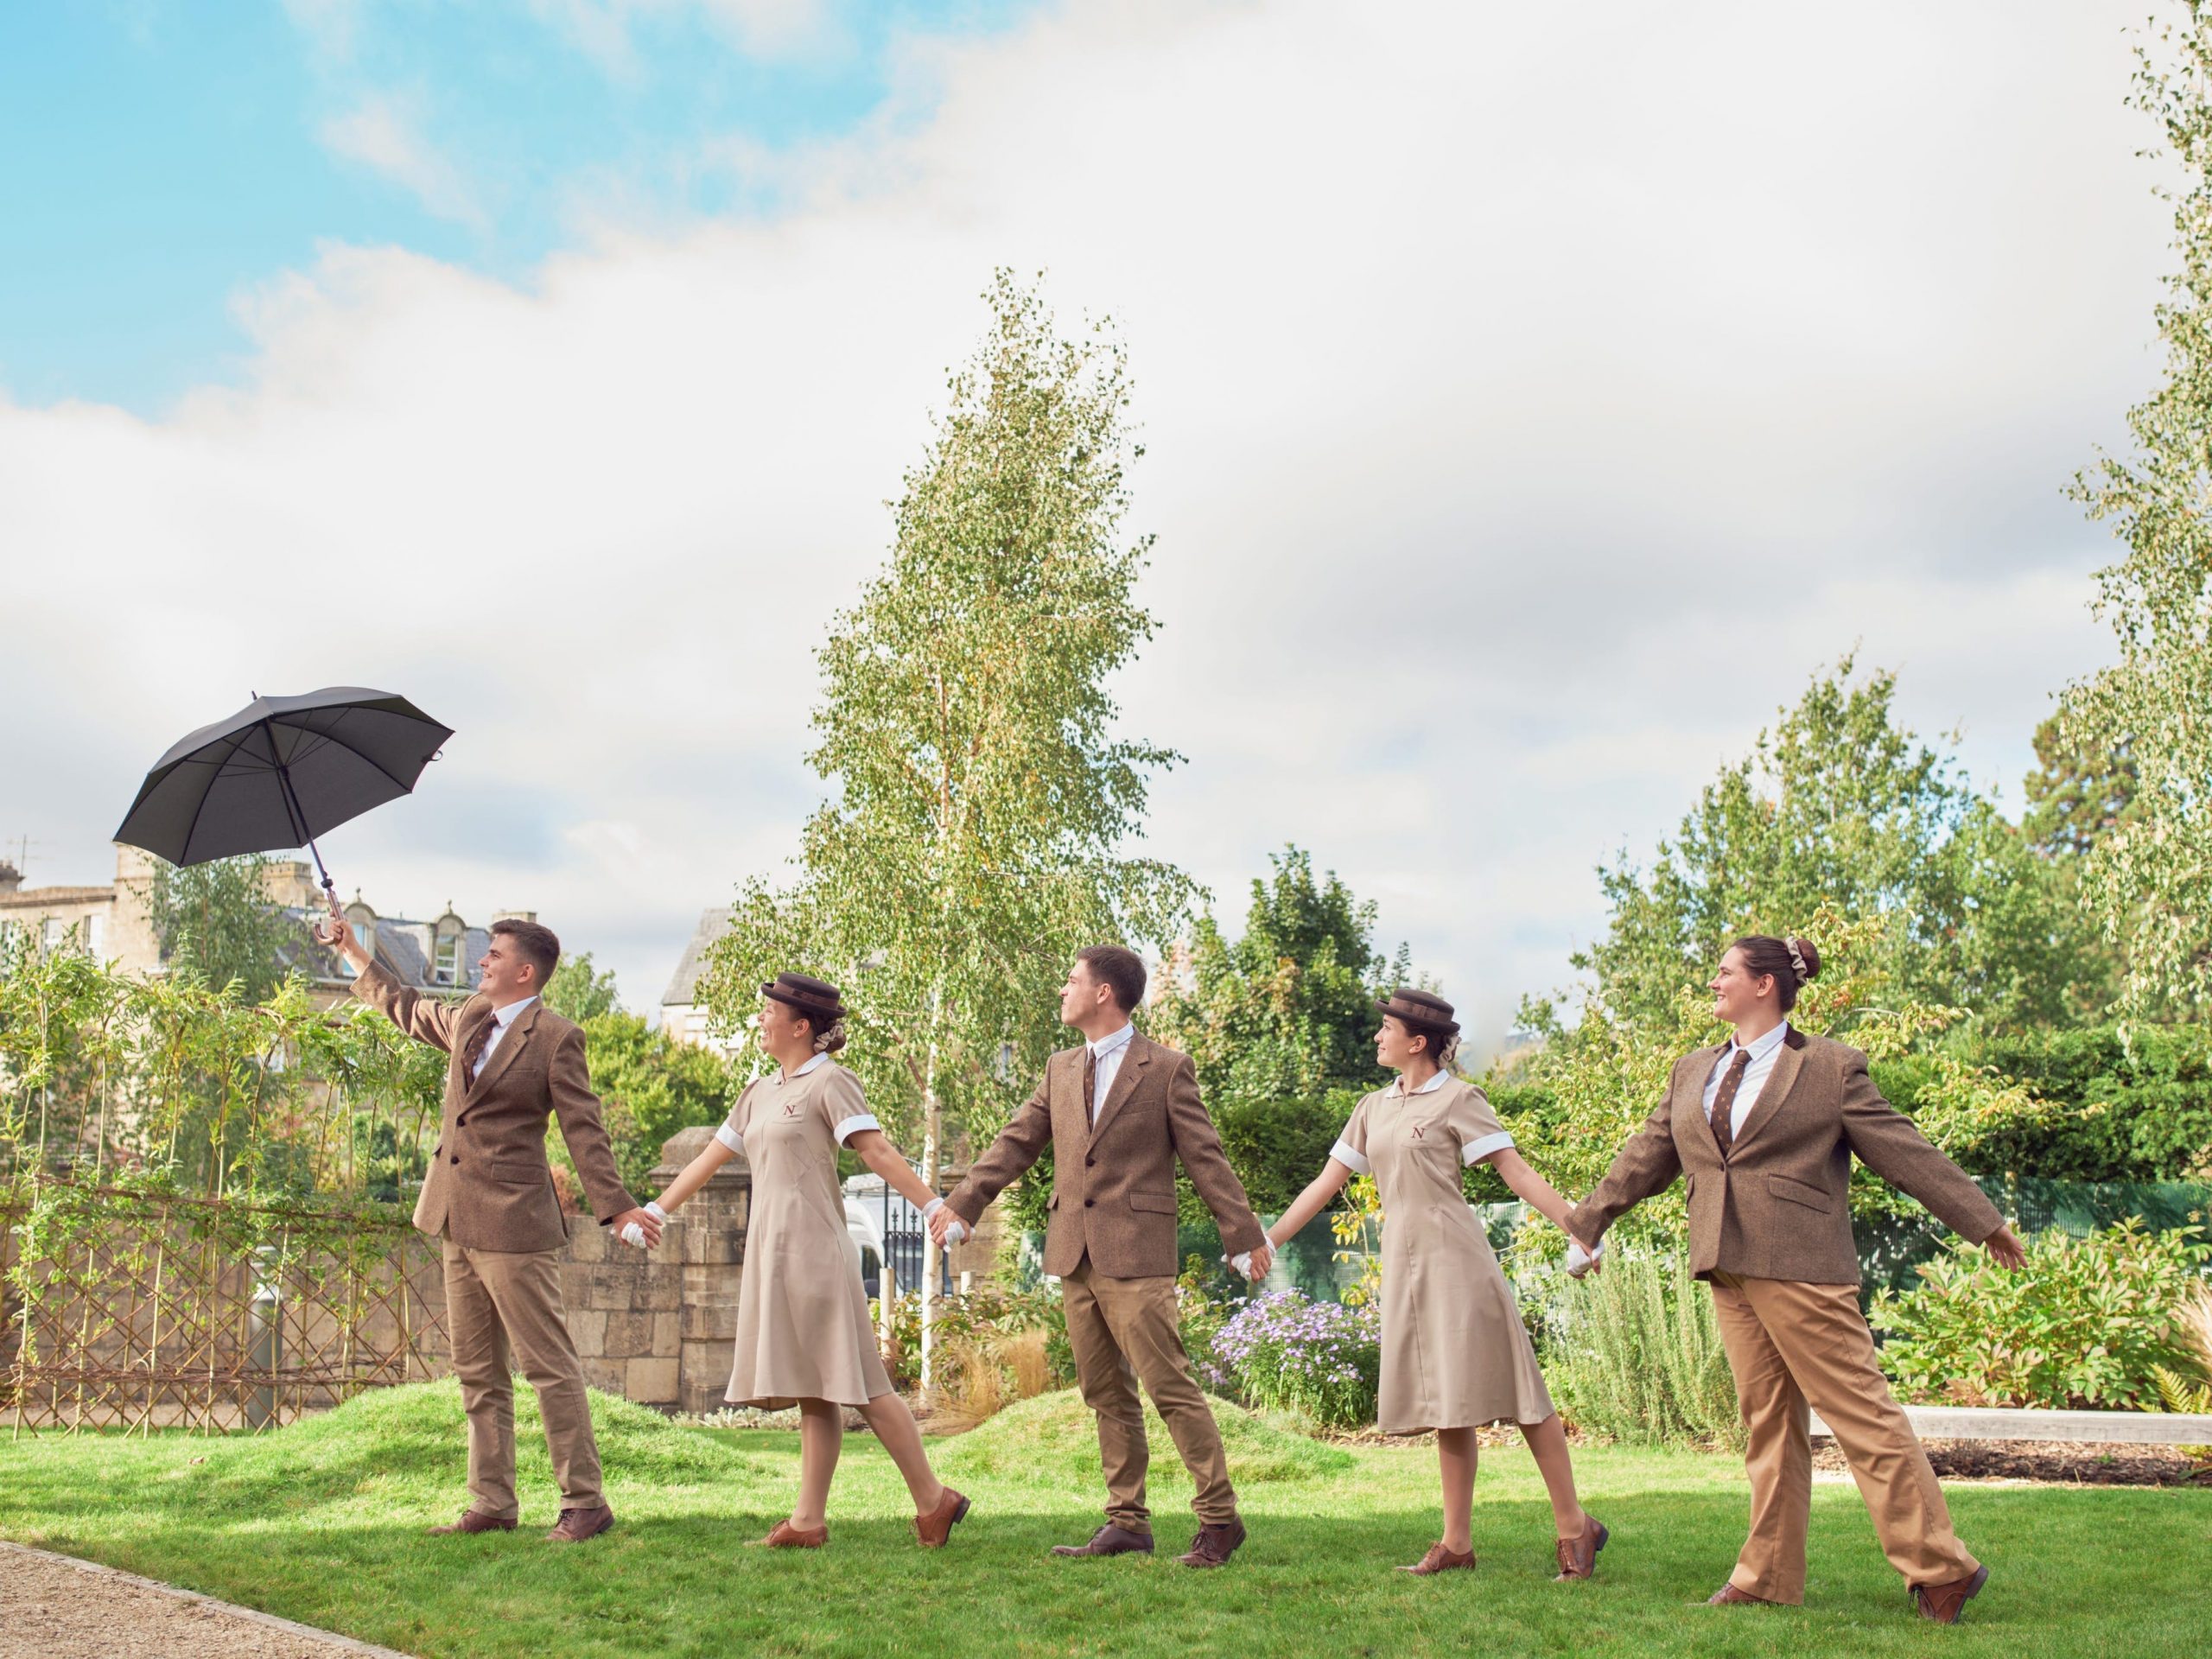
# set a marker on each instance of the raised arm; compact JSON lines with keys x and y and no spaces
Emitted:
{"x":426,"y":1019}
{"x":1891,"y":1144}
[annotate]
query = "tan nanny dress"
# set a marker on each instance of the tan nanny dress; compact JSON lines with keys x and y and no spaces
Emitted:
{"x":1455,"y":1353}
{"x":803,"y":1330}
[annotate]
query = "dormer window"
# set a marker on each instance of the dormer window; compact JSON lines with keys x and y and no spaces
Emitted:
{"x":445,"y":965}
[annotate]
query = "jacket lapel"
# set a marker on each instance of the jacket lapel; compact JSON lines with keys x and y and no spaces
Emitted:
{"x":1134,"y":1061}
{"x":1779,"y":1082}
{"x":1700,"y":1076}
{"x":510,"y":1046}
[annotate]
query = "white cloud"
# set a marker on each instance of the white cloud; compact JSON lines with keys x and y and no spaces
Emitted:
{"x":332,"y":26}
{"x":603,"y":31}
{"x":1535,"y":399}
{"x":382,"y":132}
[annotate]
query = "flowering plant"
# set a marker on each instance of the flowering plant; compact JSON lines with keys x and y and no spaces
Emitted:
{"x":1281,"y":1352}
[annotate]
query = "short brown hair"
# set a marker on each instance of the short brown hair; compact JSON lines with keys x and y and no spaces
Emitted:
{"x":1119,"y":969}
{"x":538,"y":944}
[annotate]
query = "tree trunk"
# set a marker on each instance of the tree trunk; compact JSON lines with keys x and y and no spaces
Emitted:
{"x":932,"y":1140}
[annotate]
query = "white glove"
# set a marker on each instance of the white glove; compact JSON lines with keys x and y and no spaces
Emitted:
{"x":1243,"y":1262}
{"x":1579,"y":1261}
{"x":955,"y":1230}
{"x":634,"y":1234}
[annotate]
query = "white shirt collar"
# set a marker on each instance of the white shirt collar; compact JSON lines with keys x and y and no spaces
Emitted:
{"x":1112,"y":1043}
{"x":507,"y":1015}
{"x":818,"y":1059}
{"x":1759,"y":1047}
{"x":1398,"y":1083}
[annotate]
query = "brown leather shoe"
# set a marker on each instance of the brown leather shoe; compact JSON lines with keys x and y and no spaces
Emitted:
{"x":472,"y":1522}
{"x":1109,"y":1540}
{"x":576,"y":1525}
{"x":1578,"y":1557}
{"x":1947,"y":1603}
{"x":1439,"y":1560}
{"x":933,"y":1528}
{"x":1215,"y":1544}
{"x":784,"y":1536}
{"x":1728,"y":1595}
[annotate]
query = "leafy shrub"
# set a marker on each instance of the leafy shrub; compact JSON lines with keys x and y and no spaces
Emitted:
{"x":991,"y":1327}
{"x":1282,"y":1352}
{"x":2087,"y":1324}
{"x":1636,"y":1355}
{"x":2141,"y":1095}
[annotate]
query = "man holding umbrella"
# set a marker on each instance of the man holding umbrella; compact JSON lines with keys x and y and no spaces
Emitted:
{"x":489,"y":1197}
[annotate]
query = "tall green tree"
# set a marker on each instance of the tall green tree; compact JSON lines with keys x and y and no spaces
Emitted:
{"x":2149,"y":881}
{"x":216,"y":920}
{"x":2083,"y":787}
{"x":975,"y":838}
{"x":1287,"y":1010}
{"x":1838,"y":804}
{"x":578,"y":991}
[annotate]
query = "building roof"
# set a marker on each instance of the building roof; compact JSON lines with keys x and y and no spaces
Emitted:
{"x":684,"y":990}
{"x":408,"y":949}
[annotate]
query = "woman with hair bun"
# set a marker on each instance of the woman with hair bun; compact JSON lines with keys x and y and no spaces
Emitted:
{"x":1763,"y":1128}
{"x":1455,"y":1354}
{"x":804,"y":1337}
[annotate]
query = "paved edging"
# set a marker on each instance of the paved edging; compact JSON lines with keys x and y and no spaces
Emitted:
{"x":2075,"y":1428}
{"x":290,"y":1627}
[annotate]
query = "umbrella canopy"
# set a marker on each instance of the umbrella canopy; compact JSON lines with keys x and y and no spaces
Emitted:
{"x":280,"y":772}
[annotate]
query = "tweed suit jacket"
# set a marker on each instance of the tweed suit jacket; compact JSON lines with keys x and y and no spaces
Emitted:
{"x":489,"y":1187}
{"x":1777,"y":1206}
{"x":1114,"y":1182}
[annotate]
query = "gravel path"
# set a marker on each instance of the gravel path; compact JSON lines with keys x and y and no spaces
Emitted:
{"x":55,"y":1607}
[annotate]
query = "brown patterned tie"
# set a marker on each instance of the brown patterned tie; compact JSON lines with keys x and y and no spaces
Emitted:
{"x":472,"y":1056}
{"x":1723,"y":1104}
{"x":1090,"y":1083}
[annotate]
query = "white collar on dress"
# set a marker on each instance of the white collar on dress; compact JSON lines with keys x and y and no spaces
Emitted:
{"x":819,"y":1059}
{"x":1442,"y":1077}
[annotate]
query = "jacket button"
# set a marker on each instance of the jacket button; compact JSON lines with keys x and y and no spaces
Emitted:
{"x":460,"y":1122}
{"x":456,"y":1157}
{"x":1090,"y":1163}
{"x":1087,"y":1202}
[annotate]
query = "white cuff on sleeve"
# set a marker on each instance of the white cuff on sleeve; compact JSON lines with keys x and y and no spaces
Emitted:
{"x":730,"y":1138}
{"x":854,"y":1125}
{"x":1355,"y":1161}
{"x":653,"y":1208}
{"x":932,"y":1207}
{"x":1476,"y":1151}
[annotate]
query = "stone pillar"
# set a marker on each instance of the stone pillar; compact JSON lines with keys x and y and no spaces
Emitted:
{"x":703,"y":1249}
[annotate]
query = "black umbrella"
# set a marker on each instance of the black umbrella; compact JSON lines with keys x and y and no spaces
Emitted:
{"x":279,"y":772}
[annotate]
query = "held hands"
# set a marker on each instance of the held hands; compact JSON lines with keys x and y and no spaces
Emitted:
{"x":1254,"y":1264}
{"x":2004,"y":1247}
{"x":945,"y":1228}
{"x":641,"y":1227}
{"x":1582,"y":1262}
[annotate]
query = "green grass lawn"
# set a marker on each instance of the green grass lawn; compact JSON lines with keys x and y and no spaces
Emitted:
{"x":324,"y":1522}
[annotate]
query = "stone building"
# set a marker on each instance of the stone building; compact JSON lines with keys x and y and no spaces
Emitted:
{"x":681,"y":1015}
{"x":114,"y":923}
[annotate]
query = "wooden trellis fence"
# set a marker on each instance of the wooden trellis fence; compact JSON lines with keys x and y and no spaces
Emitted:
{"x":151,"y":1310}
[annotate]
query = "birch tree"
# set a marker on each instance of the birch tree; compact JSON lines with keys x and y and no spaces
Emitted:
{"x":983,"y":804}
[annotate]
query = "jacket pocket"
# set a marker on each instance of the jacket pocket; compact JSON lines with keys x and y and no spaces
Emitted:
{"x":1804,"y":1193}
{"x":509,"y":1172}
{"x":1157,"y":1203}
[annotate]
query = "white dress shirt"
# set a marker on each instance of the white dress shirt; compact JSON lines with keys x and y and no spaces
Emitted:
{"x":1106,"y":1058}
{"x":501,"y":1019}
{"x":1764,"y":1051}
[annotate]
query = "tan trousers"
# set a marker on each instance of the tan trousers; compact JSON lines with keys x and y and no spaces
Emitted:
{"x":1125,"y":1332}
{"x":504,"y":1306}
{"x":1797,"y":1347}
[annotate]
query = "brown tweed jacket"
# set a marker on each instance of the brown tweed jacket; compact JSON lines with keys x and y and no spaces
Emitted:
{"x":1114,"y":1185}
{"x":490,"y":1187}
{"x":1777,"y":1207}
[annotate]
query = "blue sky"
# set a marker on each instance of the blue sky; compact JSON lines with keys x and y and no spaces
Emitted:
{"x":164,"y":157}
{"x":1535,"y":399}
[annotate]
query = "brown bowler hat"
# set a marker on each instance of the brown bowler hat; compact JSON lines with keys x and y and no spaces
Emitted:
{"x":817,"y":999}
{"x":1423,"y":1010}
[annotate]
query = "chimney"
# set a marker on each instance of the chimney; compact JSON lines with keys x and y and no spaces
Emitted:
{"x":10,"y":877}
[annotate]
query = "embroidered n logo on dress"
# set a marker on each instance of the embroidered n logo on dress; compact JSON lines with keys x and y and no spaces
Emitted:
{"x":1419,"y":1129}
{"x":790,"y":1109}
